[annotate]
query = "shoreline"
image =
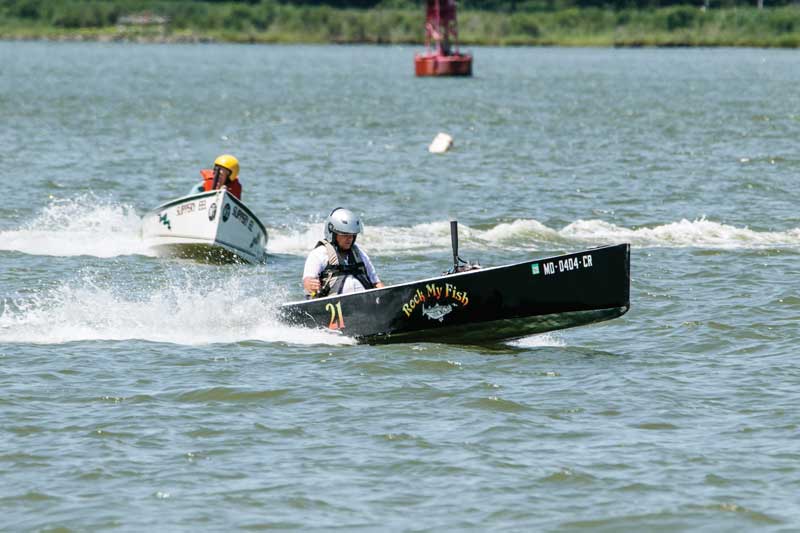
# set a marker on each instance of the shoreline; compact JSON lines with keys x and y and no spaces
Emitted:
{"x":205,"y":39}
{"x":418,"y":45}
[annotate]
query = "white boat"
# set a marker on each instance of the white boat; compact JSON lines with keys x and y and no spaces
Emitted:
{"x":211,"y":226}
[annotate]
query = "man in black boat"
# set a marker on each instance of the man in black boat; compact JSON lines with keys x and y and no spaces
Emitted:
{"x":337,"y":265}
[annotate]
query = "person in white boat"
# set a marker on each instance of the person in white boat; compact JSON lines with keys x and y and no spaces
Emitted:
{"x":337,"y":265}
{"x":225,"y":173}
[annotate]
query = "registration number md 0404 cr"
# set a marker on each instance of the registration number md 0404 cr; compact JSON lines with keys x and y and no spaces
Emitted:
{"x":567,"y":265}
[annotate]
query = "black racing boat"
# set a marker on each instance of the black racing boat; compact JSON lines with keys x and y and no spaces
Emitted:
{"x":479,"y":305}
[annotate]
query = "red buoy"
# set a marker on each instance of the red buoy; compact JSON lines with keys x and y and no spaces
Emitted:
{"x":441,"y":57}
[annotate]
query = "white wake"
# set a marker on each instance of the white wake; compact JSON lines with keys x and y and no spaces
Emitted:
{"x":182,"y":310}
{"x":84,"y":225}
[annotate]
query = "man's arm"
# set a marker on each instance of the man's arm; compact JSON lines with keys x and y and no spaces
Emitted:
{"x":315,"y":264}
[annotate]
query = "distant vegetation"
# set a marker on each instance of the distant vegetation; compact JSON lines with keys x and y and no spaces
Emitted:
{"x":490,"y":22}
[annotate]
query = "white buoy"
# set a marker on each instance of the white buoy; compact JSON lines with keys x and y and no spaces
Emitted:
{"x":441,"y":143}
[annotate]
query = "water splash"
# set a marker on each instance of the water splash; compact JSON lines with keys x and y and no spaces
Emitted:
{"x":186,"y":310}
{"x":84,"y":225}
{"x":552,"y":340}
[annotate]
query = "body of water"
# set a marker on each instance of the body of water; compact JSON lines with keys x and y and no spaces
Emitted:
{"x":139,"y":393}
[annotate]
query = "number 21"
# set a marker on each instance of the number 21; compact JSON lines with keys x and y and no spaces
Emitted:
{"x":335,"y":311}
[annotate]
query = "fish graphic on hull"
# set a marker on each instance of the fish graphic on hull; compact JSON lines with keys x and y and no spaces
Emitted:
{"x":437,"y":312}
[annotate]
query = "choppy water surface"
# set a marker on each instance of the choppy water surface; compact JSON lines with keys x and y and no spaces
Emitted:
{"x":147,"y":394}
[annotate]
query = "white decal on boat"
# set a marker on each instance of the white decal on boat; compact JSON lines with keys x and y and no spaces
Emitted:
{"x":568,"y":264}
{"x":437,"y":312}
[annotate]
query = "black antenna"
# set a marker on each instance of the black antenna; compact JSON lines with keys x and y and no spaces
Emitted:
{"x":457,"y":260}
{"x":454,"y":241}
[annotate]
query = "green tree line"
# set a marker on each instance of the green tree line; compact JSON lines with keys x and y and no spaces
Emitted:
{"x":491,"y":22}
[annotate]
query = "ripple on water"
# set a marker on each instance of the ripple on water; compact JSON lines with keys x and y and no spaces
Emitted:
{"x":570,"y":477}
{"x":25,"y":460}
{"x":286,"y":432}
{"x":755,"y":517}
{"x":434,"y":366}
{"x":656,"y":426}
{"x":423,"y":391}
{"x":226,"y":394}
{"x":662,"y":521}
{"x":406,"y":440}
{"x":270,"y":526}
{"x":640,"y":488}
{"x":497,"y":404}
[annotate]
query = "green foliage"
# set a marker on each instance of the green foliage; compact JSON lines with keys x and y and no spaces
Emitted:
{"x":525,"y":24}
{"x":238,"y":18}
{"x":185,"y":15}
{"x":84,"y":15}
{"x":517,"y":22}
{"x":676,"y":18}
{"x":26,"y":9}
{"x":782,"y":22}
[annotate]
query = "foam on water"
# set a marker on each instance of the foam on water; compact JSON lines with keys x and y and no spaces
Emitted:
{"x":700,"y":233}
{"x":520,"y":231}
{"x":540,"y":341}
{"x":184,"y":311}
{"x":88,"y":225}
{"x":84,"y":225}
{"x":526,"y":234}
{"x":376,"y":239}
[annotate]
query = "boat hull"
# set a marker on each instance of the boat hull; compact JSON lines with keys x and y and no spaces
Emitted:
{"x":486,"y":305}
{"x":212,"y":226}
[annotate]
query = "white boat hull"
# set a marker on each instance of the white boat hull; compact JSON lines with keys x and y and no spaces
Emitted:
{"x":211,"y":226}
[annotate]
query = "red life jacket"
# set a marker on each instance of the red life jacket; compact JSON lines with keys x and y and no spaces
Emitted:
{"x":234,"y":187}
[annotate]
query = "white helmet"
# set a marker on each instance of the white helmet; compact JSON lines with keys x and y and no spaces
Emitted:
{"x":342,"y":221}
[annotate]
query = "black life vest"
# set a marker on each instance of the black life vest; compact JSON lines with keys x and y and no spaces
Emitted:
{"x":340,"y":265}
